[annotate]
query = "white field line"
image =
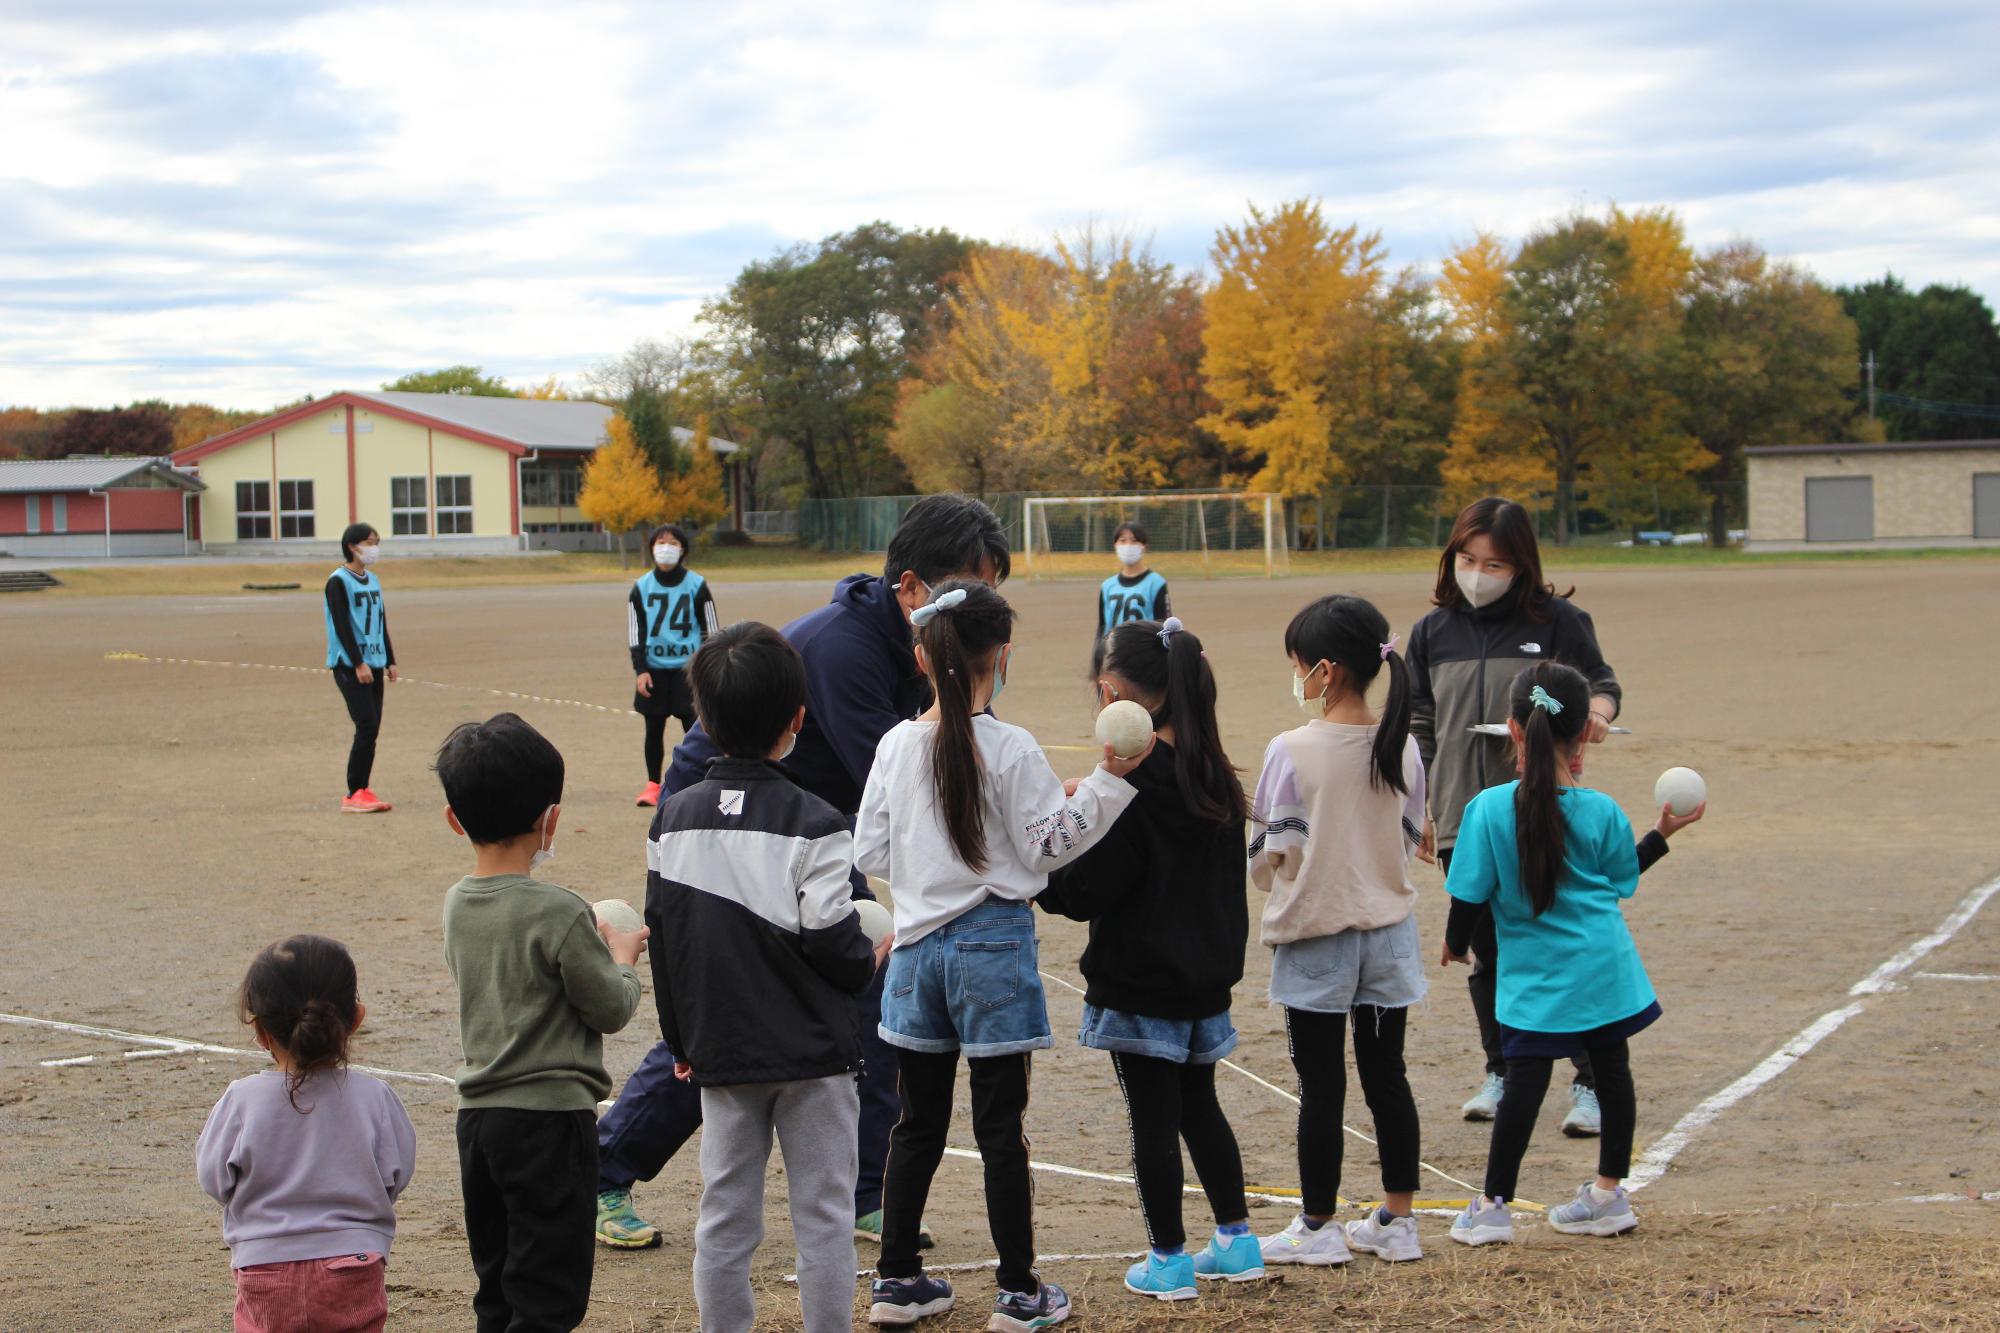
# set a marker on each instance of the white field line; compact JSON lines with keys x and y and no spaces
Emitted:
{"x":1955,"y":976}
{"x":1057,"y":1169}
{"x":401,"y":680}
{"x":1660,"y":1155}
{"x":73,"y":1060}
{"x":180,"y":1045}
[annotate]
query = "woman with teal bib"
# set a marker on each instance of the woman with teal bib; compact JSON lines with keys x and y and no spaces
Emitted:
{"x":667,"y":615}
{"x":360,"y":656}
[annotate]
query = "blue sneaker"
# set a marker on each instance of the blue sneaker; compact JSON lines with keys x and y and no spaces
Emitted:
{"x":1016,"y":1312}
{"x":1163,"y":1277}
{"x":1230,"y":1259}
{"x":1484,"y":1222}
{"x":905,"y":1300}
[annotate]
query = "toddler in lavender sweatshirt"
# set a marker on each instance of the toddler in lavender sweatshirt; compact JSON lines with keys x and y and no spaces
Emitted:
{"x":306,"y":1159}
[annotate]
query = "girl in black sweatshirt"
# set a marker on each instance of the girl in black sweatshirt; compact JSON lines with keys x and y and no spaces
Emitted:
{"x":1164,"y":896}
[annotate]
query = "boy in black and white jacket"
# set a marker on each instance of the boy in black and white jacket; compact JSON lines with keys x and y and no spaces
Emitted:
{"x":757,"y":954}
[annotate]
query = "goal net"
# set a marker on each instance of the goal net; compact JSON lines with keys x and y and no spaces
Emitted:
{"x":1232,"y":531}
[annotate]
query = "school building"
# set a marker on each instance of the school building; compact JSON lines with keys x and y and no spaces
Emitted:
{"x":1917,"y":494}
{"x":447,"y":473}
{"x":96,"y":506}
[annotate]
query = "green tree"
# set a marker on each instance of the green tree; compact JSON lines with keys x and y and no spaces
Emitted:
{"x":452,"y":379}
{"x":1938,"y":345}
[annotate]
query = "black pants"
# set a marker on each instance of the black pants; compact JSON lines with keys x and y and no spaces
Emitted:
{"x":1166,"y":1103}
{"x":364,"y":705}
{"x":1484,"y":985}
{"x":916,"y":1146}
{"x":1319,"y":1053}
{"x":529,"y":1181}
{"x":656,"y":745}
{"x":1528,"y":1083}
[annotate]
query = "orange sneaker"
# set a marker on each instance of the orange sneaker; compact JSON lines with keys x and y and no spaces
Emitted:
{"x":364,"y":802}
{"x":649,"y":794}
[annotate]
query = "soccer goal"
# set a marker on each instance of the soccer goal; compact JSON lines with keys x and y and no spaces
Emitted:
{"x":1233,"y":531}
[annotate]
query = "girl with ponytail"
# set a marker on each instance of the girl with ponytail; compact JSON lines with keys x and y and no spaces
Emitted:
{"x":1553,"y":860}
{"x":1164,"y":897}
{"x":306,"y":1159}
{"x":964,"y":817}
{"x":1340,"y":812}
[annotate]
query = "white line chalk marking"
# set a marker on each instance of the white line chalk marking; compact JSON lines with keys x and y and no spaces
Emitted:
{"x":1668,"y":1146}
{"x":179,"y":1045}
{"x":1057,"y":1169}
{"x":73,"y":1060}
{"x":1954,"y":976}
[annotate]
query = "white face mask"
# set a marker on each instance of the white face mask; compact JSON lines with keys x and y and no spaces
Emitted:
{"x":1129,"y":553}
{"x":1316,"y":705}
{"x":1481,"y":589}
{"x":547,"y":851}
{"x":369,"y":553}
{"x":666,"y":556}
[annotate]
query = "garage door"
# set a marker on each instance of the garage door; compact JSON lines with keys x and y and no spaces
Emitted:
{"x":1986,"y":504}
{"x":1840,"y":509}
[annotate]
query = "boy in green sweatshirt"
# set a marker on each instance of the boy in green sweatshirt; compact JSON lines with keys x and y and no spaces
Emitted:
{"x":539,"y":983}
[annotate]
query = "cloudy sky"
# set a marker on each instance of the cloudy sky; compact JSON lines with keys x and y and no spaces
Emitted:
{"x":243,"y":202}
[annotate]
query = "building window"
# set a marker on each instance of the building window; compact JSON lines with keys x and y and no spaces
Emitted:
{"x":34,"y":514}
{"x":253,"y":511}
{"x":59,"y":511}
{"x":409,"y":514}
{"x":454,"y":506}
{"x":295,"y":509}
{"x":550,"y":484}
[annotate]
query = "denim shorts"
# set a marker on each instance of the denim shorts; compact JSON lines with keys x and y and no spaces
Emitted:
{"x":1330,"y":974}
{"x":971,"y":985}
{"x":1185,"y":1041}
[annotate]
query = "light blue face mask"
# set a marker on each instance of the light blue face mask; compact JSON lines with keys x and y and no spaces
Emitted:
{"x":1000,"y":678}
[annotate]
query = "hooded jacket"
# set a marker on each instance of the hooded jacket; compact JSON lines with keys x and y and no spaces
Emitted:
{"x":1462,"y":667}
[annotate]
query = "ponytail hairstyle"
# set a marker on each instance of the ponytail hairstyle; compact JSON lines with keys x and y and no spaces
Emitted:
{"x":1551,"y":702}
{"x":301,"y":992}
{"x":1165,"y":661}
{"x":1352,"y":635}
{"x":962,"y":628}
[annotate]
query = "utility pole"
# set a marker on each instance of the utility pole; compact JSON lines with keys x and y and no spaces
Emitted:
{"x":1870,"y":366}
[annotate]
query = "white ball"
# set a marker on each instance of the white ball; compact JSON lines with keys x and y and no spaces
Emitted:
{"x":1681,"y":790}
{"x":618,"y":914}
{"x":876,"y":923}
{"x":1126,"y":727}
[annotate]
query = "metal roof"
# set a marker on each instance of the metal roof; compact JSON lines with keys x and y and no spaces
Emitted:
{"x":86,"y":474}
{"x":1893,"y":447}
{"x":538,"y":423}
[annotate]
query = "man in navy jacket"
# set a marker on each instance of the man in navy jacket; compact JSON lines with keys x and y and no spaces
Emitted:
{"x":861,"y":680}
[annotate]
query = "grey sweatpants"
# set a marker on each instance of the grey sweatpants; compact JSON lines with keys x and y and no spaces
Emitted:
{"x":815,"y":1121}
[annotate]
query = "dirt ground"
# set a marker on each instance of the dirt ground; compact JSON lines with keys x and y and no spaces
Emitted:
{"x":163,"y":821}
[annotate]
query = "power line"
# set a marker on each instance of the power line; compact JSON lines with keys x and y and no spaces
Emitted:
{"x":1933,"y":407}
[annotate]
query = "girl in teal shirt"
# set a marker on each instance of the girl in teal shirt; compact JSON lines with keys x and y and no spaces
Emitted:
{"x":1555,"y":860}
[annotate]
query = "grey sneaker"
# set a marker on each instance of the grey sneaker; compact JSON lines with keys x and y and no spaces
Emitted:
{"x":1485,"y":1103}
{"x":1484,"y":1222}
{"x":1584,"y":1120}
{"x":1585,"y":1216}
{"x":1395,"y":1243}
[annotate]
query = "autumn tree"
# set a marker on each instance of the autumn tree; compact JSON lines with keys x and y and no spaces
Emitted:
{"x":452,"y":379}
{"x":25,"y":431}
{"x":645,"y":384}
{"x":621,"y":488}
{"x":143,"y":429}
{"x":696,"y":495}
{"x":549,"y":390}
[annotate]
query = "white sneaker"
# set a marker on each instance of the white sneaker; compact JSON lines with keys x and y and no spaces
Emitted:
{"x":1301,"y":1244}
{"x":1585,"y":1120}
{"x":1485,"y":1103}
{"x":1484,"y":1222}
{"x":1395,"y":1242}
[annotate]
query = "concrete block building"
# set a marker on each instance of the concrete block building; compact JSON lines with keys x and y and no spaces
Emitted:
{"x":1936,"y":493}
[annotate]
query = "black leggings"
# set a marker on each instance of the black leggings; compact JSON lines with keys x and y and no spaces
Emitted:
{"x":916,"y":1146}
{"x":364,"y":705}
{"x":656,"y":744}
{"x":1319,"y":1053}
{"x":1167,"y":1102}
{"x":1528,"y":1083}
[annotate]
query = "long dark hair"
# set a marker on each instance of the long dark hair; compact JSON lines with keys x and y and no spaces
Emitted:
{"x":1175,"y":670}
{"x":1512,"y":529}
{"x":1538,"y":819}
{"x":960,"y":643}
{"x":302,"y":992}
{"x":1351,"y":634}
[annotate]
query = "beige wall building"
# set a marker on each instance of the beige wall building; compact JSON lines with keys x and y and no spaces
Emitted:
{"x":1938,"y":493}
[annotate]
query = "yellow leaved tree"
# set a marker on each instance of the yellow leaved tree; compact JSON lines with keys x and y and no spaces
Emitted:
{"x":621,"y":489}
{"x":695,"y":495}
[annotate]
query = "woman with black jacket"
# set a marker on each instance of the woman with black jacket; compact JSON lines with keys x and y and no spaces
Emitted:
{"x":1495,"y":615}
{"x":1164,"y":896}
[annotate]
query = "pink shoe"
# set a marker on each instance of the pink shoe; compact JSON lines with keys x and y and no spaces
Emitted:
{"x":364,"y":802}
{"x":649,"y":794}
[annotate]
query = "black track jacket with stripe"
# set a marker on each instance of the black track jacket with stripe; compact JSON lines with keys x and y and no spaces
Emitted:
{"x":756,"y":947}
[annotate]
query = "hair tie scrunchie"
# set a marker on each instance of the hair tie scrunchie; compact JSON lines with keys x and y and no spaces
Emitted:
{"x":1545,"y":701}
{"x":924,"y":615}
{"x":1172,"y":627}
{"x":1390,"y":646}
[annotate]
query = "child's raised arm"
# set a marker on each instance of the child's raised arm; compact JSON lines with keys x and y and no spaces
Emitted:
{"x":604,"y":994}
{"x":1046,"y":828}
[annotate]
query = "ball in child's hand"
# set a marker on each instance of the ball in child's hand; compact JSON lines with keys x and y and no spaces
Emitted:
{"x":1680,"y":790}
{"x":621,"y":916}
{"x":876,"y":923}
{"x":1126,"y":727}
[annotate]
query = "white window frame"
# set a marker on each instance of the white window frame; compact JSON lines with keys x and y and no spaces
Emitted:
{"x":301,"y":521}
{"x":34,"y":516}
{"x":459,"y":510}
{"x":406,"y":519}
{"x":253,"y":514}
{"x":59,"y":512}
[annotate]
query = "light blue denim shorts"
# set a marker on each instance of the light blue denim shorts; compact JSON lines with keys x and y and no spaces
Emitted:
{"x":1185,"y":1041}
{"x":971,"y":985}
{"x":1330,"y":974}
